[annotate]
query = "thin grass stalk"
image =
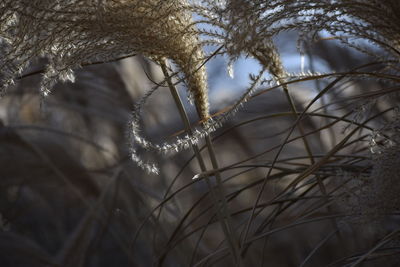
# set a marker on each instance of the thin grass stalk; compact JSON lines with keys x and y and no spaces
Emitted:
{"x":307,"y":146}
{"x":323,"y":102}
{"x":205,"y":228}
{"x":277,"y":71}
{"x":309,"y":152}
{"x":81,"y":238}
{"x":299,"y":125}
{"x":273,"y":231}
{"x":262,"y":205}
{"x":277,"y":211}
{"x":384,"y":241}
{"x":97,"y":215}
{"x":223,"y":217}
{"x":266,"y":179}
{"x":233,"y":239}
{"x":304,"y":138}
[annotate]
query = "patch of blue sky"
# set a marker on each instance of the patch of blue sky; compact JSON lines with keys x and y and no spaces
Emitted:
{"x":224,"y":89}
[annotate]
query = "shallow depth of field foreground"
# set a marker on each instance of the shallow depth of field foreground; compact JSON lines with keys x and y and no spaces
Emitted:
{"x":199,"y":133}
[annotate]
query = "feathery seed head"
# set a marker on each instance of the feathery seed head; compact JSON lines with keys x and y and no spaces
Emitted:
{"x":383,"y":189}
{"x":377,"y":194}
{"x":71,"y":32}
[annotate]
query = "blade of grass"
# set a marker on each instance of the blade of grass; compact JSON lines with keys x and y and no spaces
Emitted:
{"x":222,"y":216}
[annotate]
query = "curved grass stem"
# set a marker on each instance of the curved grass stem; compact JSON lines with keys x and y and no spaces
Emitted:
{"x":217,"y":196}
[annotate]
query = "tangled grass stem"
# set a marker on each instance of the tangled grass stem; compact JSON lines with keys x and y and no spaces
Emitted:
{"x":218,"y":197}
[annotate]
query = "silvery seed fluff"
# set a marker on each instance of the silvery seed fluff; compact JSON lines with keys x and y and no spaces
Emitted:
{"x":71,"y":32}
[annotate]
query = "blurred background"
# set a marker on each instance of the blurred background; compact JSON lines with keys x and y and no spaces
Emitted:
{"x":70,"y":195}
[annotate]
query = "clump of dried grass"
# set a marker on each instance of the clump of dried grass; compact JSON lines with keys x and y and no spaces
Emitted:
{"x":282,"y":178}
